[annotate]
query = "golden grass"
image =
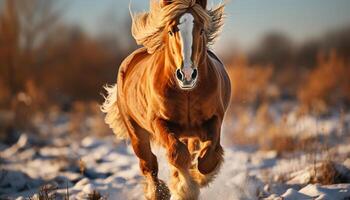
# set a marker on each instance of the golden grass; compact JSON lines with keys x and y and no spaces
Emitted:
{"x":249,"y":82}
{"x":82,"y":166}
{"x":327,"y":174}
{"x":275,"y":140}
{"x":95,"y":195}
{"x":322,"y":87}
{"x":4,"y":93}
{"x":326,"y":84}
{"x":269,"y":135}
{"x":49,"y":192}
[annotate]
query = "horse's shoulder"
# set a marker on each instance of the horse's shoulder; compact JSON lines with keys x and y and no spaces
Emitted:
{"x":133,"y":58}
{"x":215,"y":57}
{"x":223,"y":73}
{"x":217,"y":64}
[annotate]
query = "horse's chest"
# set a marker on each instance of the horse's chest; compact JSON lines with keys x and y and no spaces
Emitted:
{"x":187,"y":110}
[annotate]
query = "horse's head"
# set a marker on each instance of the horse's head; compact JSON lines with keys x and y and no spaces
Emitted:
{"x":186,"y":41}
{"x":184,"y":28}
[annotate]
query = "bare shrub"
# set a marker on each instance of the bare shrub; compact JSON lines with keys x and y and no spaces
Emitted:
{"x":249,"y":82}
{"x":326,"y":84}
{"x":95,"y":195}
{"x":260,"y":130}
{"x":82,"y":166}
{"x":87,"y":119}
{"x":46,"y":192}
{"x":4,"y":94}
{"x":326,"y":173}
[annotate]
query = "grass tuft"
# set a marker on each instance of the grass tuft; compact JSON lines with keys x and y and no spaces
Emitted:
{"x":327,"y":174}
{"x":95,"y":195}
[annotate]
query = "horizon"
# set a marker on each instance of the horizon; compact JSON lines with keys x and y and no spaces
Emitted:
{"x":246,"y":23}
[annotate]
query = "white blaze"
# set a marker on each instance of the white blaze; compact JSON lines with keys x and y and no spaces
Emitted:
{"x":185,"y":27}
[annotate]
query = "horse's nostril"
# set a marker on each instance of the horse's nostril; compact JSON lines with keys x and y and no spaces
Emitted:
{"x":194,"y":73}
{"x":179,"y":74}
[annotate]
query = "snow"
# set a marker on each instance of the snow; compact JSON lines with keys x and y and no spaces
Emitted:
{"x":87,"y":164}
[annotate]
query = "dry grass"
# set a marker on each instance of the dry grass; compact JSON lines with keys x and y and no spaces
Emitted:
{"x":327,"y":84}
{"x":82,"y":166}
{"x":287,"y":144}
{"x":250,"y":83}
{"x":327,"y":174}
{"x":95,"y":195}
{"x":268,"y":134}
{"x":46,"y":192}
{"x":86,"y":117}
{"x":273,"y":141}
{"x":4,"y":94}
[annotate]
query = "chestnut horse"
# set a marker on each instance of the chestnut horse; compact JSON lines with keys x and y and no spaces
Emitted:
{"x":173,"y":92}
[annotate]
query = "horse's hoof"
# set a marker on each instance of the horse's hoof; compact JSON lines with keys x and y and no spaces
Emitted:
{"x":157,"y":190}
{"x":162,"y":191}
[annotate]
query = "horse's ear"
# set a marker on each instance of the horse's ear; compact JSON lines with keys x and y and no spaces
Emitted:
{"x":165,"y":2}
{"x":203,"y":3}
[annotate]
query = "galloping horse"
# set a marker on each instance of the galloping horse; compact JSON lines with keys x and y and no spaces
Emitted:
{"x":173,"y":92}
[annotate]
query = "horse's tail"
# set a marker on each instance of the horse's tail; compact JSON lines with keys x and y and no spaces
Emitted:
{"x":113,"y":116}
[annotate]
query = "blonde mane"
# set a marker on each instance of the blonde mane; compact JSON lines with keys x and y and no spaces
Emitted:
{"x":147,"y":27}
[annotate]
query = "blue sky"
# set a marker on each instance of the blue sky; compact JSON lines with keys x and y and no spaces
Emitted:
{"x":247,"y":20}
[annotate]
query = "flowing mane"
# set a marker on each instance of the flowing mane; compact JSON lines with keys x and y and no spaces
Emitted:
{"x":147,"y":27}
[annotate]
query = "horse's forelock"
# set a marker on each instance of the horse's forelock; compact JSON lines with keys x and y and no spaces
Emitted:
{"x":147,"y":27}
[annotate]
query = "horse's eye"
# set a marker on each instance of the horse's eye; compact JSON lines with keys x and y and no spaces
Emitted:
{"x":171,"y":33}
{"x":202,"y":31}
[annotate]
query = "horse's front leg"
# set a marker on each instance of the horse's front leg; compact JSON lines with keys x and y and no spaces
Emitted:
{"x":182,"y":185}
{"x":155,"y":189}
{"x":211,"y":153}
{"x":177,"y":152}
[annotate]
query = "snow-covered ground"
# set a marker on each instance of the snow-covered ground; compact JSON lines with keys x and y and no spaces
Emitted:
{"x":78,"y":167}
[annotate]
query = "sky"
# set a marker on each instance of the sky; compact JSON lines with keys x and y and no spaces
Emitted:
{"x":247,"y":21}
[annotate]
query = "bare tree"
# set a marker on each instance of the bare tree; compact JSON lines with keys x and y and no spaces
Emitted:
{"x":37,"y":18}
{"x":24,"y":25}
{"x":275,"y":48}
{"x":9,"y":29}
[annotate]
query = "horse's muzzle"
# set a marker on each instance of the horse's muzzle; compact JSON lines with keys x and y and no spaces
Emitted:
{"x":187,"y":78}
